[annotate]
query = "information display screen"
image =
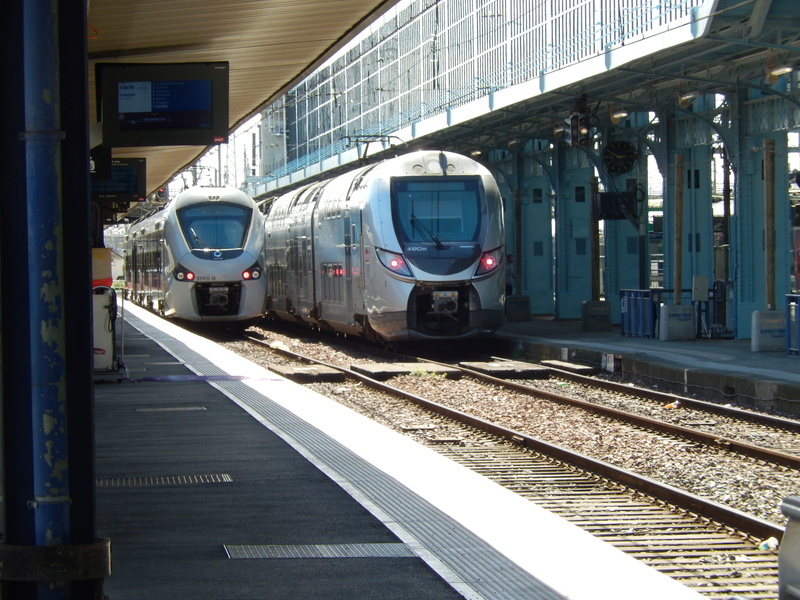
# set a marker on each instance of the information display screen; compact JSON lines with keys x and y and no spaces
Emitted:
{"x":172,"y":104}
{"x":126,"y":183}
{"x":165,"y":105}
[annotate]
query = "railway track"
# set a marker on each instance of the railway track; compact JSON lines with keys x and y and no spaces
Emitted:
{"x":706,"y":545}
{"x":763,"y":436}
{"x":777,"y":440}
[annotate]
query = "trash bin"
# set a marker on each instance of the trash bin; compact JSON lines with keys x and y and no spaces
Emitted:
{"x":638,"y":313}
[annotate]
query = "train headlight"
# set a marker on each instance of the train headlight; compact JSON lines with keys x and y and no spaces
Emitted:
{"x":253,"y":272}
{"x":183,"y":274}
{"x":489,"y":261}
{"x":393,"y":261}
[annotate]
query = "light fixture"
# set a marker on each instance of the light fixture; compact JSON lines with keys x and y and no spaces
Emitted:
{"x":560,"y":130}
{"x":475,"y":153}
{"x":773,"y":73}
{"x":781,"y":70}
{"x":685,"y":98}
{"x":617,"y":115}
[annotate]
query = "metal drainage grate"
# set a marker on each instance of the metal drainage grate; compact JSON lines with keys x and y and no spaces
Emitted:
{"x":321,"y":551}
{"x":171,"y":409}
{"x":164,"y":480}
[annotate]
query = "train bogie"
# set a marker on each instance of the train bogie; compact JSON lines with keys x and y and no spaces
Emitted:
{"x":410,"y":248}
{"x":201,"y":258}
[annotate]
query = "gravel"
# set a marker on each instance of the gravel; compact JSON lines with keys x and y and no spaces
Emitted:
{"x":744,"y":484}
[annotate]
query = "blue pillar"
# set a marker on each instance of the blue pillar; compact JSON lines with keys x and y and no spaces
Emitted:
{"x":50,"y":499}
{"x":538,"y":243}
{"x":46,"y":316}
{"x":573,"y":274}
{"x":626,"y":264}
{"x":699,"y":228}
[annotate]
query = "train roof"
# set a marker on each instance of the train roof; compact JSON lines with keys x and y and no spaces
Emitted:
{"x":197,"y":194}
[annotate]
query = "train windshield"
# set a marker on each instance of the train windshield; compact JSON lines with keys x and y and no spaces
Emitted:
{"x":217,"y":226}
{"x":437,"y":210}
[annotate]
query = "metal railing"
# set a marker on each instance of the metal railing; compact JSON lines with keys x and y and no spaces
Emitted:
{"x":635,"y":22}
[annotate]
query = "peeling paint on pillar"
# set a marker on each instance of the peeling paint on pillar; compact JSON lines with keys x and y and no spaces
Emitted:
{"x":44,"y":203}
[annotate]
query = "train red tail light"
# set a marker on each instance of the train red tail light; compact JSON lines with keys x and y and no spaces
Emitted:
{"x":489,"y":261}
{"x":393,"y":261}
{"x":183,"y":274}
{"x":254,"y":272}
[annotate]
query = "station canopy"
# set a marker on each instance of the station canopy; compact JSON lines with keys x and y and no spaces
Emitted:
{"x":271,"y":45}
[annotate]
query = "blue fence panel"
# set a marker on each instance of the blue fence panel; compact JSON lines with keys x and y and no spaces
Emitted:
{"x":793,"y":324}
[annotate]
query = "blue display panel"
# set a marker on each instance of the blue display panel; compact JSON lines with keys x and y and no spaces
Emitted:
{"x":176,"y":104}
{"x":166,"y":105}
{"x":126,"y":182}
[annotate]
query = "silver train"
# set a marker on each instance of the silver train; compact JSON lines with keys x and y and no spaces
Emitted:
{"x":411,"y":248}
{"x":200,"y":258}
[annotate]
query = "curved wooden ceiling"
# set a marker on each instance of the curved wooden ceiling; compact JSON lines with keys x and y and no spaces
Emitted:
{"x":270,"y":45}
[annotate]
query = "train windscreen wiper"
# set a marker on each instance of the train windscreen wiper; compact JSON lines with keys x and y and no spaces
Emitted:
{"x":197,"y":239}
{"x":417,"y":224}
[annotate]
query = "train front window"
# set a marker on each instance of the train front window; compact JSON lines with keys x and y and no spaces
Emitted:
{"x":215,"y":226}
{"x":437,"y":210}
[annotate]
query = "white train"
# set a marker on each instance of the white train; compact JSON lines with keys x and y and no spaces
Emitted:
{"x":200,"y":258}
{"x":411,"y":248}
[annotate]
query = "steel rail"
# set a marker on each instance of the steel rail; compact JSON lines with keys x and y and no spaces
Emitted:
{"x":744,"y":522}
{"x":704,"y":405}
{"x":708,"y":439}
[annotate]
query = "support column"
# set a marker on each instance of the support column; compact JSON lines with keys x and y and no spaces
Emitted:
{"x":677,"y":259}
{"x":677,"y":322}
{"x":769,"y":326}
{"x":769,"y":223}
{"x":47,"y":438}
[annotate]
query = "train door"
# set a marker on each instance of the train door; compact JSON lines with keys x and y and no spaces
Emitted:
{"x":138,"y":269}
{"x":292,"y":267}
{"x":352,"y":263}
{"x":348,"y":260}
{"x":311,"y":261}
{"x":133,"y":271}
{"x":358,"y":254}
{"x":161,"y":279}
{"x":301,"y":271}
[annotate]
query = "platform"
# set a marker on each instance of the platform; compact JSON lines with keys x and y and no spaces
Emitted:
{"x":722,"y":370}
{"x":220,"y":479}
